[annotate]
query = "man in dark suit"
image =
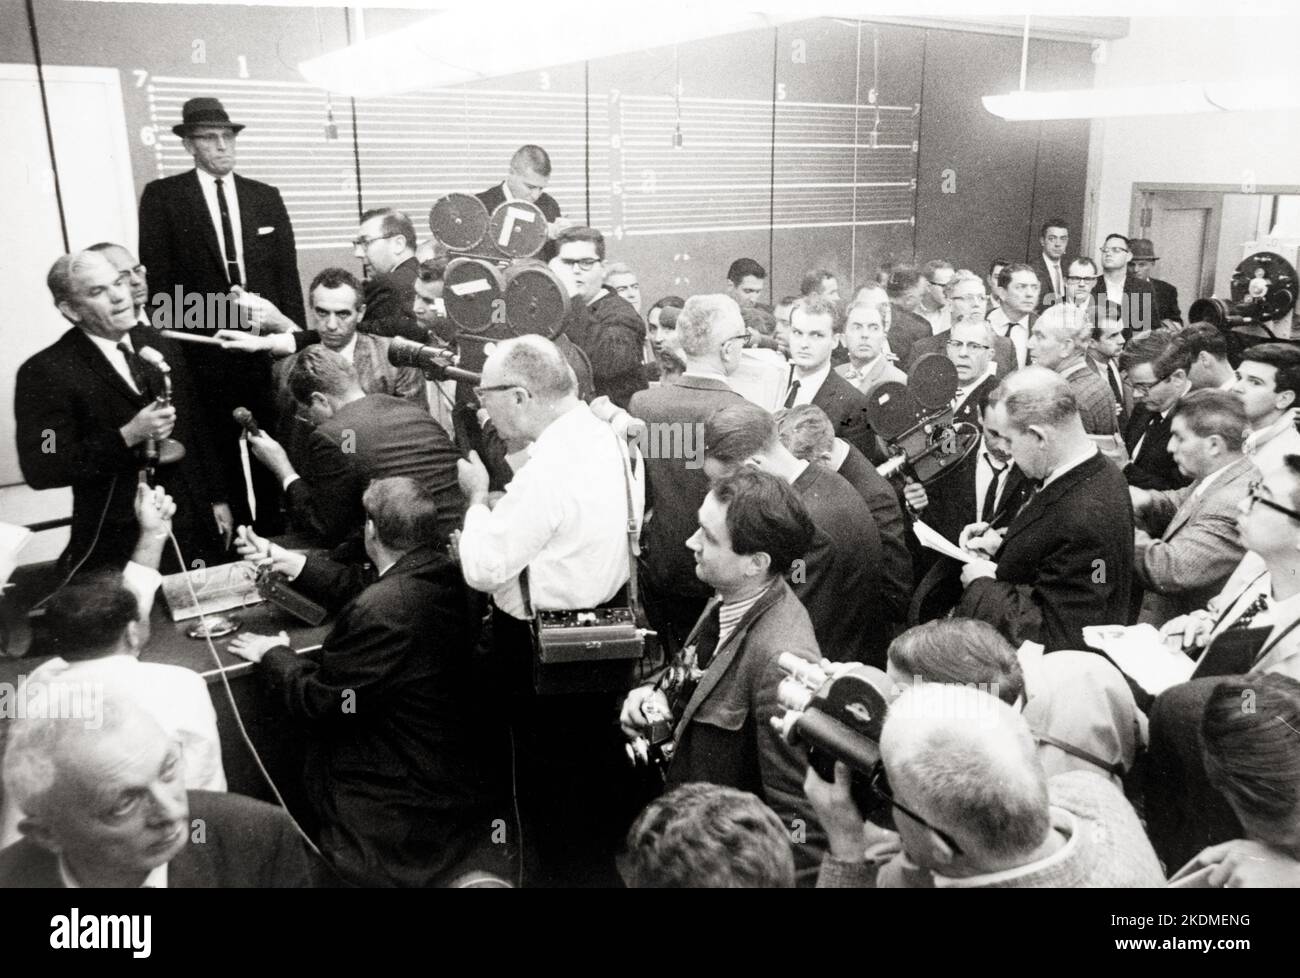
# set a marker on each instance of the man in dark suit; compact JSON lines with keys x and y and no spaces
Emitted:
{"x":386,"y":245}
{"x":905,"y":288}
{"x":966,"y":300}
{"x":710,"y":334}
{"x":1050,"y":264}
{"x":403,"y":774}
{"x":202,"y":233}
{"x":1135,"y":296}
{"x":106,"y":806}
{"x":86,"y":413}
{"x":839,"y":578}
{"x":1142,"y":262}
{"x":815,"y":324}
{"x":1066,"y":560}
{"x":1147,"y":434}
{"x":1017,"y":298}
{"x":602,"y":324}
{"x":752,"y":529}
{"x":358,"y":437}
{"x":530,"y":172}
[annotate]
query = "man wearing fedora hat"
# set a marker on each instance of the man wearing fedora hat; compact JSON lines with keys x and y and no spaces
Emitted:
{"x":202,"y":233}
{"x":1142,"y":263}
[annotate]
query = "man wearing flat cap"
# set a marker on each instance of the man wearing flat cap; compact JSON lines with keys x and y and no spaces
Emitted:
{"x":205,"y":232}
{"x":1142,"y":263}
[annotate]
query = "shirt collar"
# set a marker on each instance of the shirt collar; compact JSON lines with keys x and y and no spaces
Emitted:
{"x":349,"y":351}
{"x":206,"y":179}
{"x":1206,"y":480}
{"x":1062,"y":821}
{"x":157,"y":878}
{"x":1069,"y":464}
{"x":1257,"y":438}
{"x":110,"y":346}
{"x":866,"y":368}
{"x":813,"y":381}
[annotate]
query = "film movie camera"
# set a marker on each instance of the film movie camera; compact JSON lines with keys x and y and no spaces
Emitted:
{"x":916,"y":421}
{"x":837,"y":718}
{"x":1263,"y":303}
{"x":494,"y":287}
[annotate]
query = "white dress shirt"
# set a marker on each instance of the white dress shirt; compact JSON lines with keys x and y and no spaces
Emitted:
{"x":808,"y":386}
{"x":1018,"y":333}
{"x":563,"y":516}
{"x":1054,"y":273}
{"x":208,"y":183}
{"x":1268,"y":446}
{"x":114,"y":356}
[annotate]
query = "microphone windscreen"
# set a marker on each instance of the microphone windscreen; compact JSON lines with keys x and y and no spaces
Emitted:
{"x":151,"y":356}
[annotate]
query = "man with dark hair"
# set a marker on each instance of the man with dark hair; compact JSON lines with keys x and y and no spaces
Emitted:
{"x":86,"y":409}
{"x":1079,"y":280}
{"x":1049,"y":264}
{"x":710,"y":336}
{"x":839,"y":579}
{"x":707,"y":836}
{"x":905,"y":288}
{"x":1017,"y":295}
{"x":1268,"y":380}
{"x":208,"y":232}
{"x":661,"y":330}
{"x":1109,"y":338}
{"x":357,"y":437}
{"x":781,"y":313}
{"x":1187,"y":544}
{"x":402,"y":771}
{"x":752,"y":529}
{"x":820,"y":282}
{"x":1134,"y":296}
{"x":1202,"y":350}
{"x":747,"y":280}
{"x":1142,"y":260}
{"x":991,"y":283}
{"x":1147,"y":434}
{"x":602,"y":324}
{"x":386,"y":245}
{"x":815,"y":322}
{"x":1066,"y":560}
{"x":530,"y":172}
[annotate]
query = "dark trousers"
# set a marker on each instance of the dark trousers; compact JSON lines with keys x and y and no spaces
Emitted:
{"x":577,"y":793}
{"x":1184,"y":812}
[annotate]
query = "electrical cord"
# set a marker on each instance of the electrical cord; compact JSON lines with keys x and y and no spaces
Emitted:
{"x":103,"y":515}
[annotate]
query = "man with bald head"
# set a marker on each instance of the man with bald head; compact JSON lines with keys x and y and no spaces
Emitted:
{"x":87,"y":411}
{"x":711,"y":336}
{"x":973,"y":808}
{"x":1066,"y":559}
{"x":1059,"y":340}
{"x":557,"y":540}
{"x":101,"y":789}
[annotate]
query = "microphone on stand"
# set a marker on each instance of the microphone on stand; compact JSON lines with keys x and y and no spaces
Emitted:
{"x":160,"y":451}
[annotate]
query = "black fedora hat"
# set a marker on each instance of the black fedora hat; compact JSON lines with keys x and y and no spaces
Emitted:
{"x":204,"y":112}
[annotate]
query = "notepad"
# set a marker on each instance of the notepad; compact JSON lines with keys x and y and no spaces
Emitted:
{"x":1142,"y":655}
{"x":936,"y":541}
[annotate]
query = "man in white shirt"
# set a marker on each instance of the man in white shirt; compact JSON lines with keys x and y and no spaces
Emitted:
{"x":1018,"y":291}
{"x":1268,"y":380}
{"x":934,"y":303}
{"x":96,"y":629}
{"x":815,"y":324}
{"x":564,"y":520}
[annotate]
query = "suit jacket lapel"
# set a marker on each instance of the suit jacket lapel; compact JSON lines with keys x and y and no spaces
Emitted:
{"x":1040,"y":504}
{"x":202,"y":218}
{"x":726,"y":652}
{"x":99,"y":365}
{"x":1236,"y":471}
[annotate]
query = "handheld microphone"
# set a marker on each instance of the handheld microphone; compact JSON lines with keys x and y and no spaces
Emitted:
{"x":435,"y":363}
{"x":164,"y":451}
{"x":245,"y":419}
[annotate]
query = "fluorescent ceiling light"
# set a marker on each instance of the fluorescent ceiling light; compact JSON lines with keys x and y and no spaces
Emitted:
{"x":1177,"y":99}
{"x":465,"y":45}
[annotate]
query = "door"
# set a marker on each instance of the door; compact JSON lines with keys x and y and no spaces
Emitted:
{"x":1183,"y":226}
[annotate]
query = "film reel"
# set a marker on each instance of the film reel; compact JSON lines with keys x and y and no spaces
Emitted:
{"x":460,"y":221}
{"x":536,"y":301}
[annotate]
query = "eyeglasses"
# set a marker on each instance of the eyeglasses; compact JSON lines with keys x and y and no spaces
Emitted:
{"x":1141,"y":389}
{"x":496,"y":388}
{"x":1253,"y":496}
{"x":957,"y":346}
{"x":880,"y":786}
{"x":1080,"y":279}
{"x":1115,"y":249}
{"x":586,"y":264}
{"x":367,"y":242}
{"x":981,"y":297}
{"x":732,"y":339}
{"x":631,"y":286}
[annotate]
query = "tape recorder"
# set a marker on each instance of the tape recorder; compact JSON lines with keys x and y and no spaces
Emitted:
{"x":494,"y":287}
{"x":916,"y":421}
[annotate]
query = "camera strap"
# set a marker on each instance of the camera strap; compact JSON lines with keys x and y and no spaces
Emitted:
{"x":633,"y":548}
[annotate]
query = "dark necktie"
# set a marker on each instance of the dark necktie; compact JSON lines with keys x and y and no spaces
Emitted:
{"x":1115,"y":387}
{"x":136,"y":368}
{"x":991,"y":496}
{"x":794,"y":390}
{"x":228,"y":236}
{"x":1251,"y":612}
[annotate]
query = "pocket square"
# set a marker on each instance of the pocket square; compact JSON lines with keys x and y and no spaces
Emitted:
{"x":266,"y":230}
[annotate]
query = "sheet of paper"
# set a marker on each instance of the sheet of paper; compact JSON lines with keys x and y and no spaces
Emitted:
{"x":1141,"y":655}
{"x":12,"y":540}
{"x":937,"y":542}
